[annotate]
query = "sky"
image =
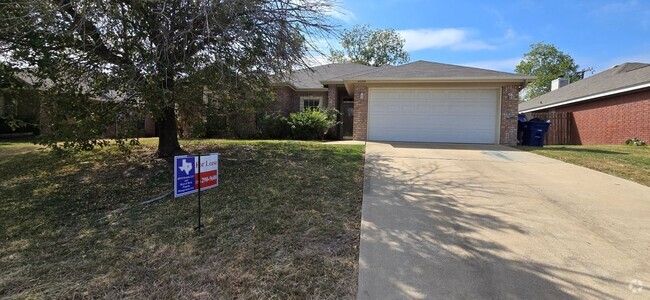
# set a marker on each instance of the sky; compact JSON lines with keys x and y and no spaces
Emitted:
{"x":496,"y":34}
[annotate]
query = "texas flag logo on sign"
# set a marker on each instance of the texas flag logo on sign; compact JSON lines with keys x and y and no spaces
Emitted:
{"x":186,"y":167}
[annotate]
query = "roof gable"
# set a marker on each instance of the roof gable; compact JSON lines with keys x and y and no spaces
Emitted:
{"x":338,"y":73}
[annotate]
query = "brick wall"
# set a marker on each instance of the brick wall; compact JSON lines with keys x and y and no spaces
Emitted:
{"x":611,"y":121}
{"x":331,"y":104}
{"x":285,"y":101}
{"x":509,"y":110}
{"x":332,"y":97}
{"x":360,"y":124}
{"x":149,"y":126}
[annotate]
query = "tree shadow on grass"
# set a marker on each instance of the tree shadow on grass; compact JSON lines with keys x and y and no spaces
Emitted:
{"x":283,"y":224}
{"x":424,"y":242}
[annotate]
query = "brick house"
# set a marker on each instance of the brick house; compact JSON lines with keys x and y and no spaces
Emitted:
{"x":419,"y":101}
{"x":606,"y":109}
{"x":28,"y":105}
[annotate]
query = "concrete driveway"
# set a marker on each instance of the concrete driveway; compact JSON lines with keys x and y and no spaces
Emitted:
{"x":476,"y":222}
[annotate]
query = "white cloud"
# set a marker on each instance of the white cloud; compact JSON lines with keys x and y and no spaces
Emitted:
{"x":511,"y":35}
{"x":342,"y":14}
{"x":450,"y":38}
{"x":506,"y":65}
{"x":316,"y":60}
{"x":323,"y":45}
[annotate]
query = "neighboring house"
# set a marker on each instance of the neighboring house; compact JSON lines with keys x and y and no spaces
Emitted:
{"x":419,"y":101}
{"x":607,"y":108}
{"x":18,"y":102}
{"x":22,"y":99}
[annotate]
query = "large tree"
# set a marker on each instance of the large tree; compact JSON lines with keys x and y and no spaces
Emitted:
{"x":147,"y":53}
{"x":547,"y":63}
{"x":373,"y":47}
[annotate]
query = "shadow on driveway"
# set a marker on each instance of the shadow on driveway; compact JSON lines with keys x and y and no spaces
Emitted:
{"x":419,"y":240}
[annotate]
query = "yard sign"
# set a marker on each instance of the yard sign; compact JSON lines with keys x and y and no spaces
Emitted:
{"x":192,"y":171}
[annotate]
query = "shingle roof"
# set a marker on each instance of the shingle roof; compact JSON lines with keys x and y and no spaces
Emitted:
{"x":359,"y":74}
{"x":619,"y":77}
{"x":432,"y":70}
{"x":311,"y":78}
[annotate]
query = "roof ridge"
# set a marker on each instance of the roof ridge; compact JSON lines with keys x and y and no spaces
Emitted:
{"x":631,"y":66}
{"x":475,"y":68}
{"x":456,"y":66}
{"x":331,"y":64}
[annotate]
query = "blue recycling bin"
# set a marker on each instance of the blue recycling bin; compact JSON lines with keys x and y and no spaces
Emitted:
{"x":521,"y":126}
{"x":534,"y":132}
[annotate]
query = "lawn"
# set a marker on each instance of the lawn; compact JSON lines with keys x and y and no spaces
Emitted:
{"x":629,"y":162}
{"x":283,"y":224}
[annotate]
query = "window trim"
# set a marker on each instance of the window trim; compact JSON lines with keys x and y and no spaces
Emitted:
{"x":305,"y":98}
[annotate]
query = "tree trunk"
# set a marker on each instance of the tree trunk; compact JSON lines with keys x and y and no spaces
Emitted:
{"x":168,"y":145}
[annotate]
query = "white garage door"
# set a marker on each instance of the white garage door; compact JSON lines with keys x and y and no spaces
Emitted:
{"x":432,"y":115}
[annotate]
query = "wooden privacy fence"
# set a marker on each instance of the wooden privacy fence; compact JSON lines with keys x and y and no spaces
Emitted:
{"x":559,"y":133}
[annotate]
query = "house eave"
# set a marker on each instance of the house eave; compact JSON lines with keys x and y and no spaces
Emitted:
{"x":351,"y":82}
{"x":327,"y":82}
{"x":311,"y":90}
{"x":589,"y":97}
{"x":297,"y":89}
{"x":283,"y":84}
{"x":441,"y":79}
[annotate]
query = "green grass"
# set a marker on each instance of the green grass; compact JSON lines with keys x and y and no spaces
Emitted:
{"x":283,"y":224}
{"x":629,"y":162}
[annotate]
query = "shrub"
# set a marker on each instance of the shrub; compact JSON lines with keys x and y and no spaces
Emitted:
{"x":198,"y":129}
{"x":311,"y":124}
{"x":635,"y":142}
{"x":274,"y":126}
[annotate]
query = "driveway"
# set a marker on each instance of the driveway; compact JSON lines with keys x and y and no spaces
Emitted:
{"x":466,"y":221}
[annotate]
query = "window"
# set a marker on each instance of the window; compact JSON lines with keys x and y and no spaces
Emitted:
{"x":309,"y":103}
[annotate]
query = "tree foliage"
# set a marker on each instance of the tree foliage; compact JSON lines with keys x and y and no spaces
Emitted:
{"x":372,"y":47}
{"x":149,"y":54}
{"x":311,"y":124}
{"x":547,"y":63}
{"x":20,"y":104}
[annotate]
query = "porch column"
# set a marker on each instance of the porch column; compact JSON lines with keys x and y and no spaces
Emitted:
{"x":360,"y":124}
{"x":332,"y":102}
{"x":509,"y":111}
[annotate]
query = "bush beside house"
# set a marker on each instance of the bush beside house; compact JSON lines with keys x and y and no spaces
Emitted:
{"x":305,"y":125}
{"x":311,"y":124}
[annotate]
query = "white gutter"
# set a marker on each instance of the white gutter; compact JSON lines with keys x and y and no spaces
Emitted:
{"x":585,"y":98}
{"x":296,"y":89}
{"x":311,"y":89}
{"x":439,"y":79}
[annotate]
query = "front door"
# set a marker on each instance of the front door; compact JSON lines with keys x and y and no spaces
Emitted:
{"x":347,"y":117}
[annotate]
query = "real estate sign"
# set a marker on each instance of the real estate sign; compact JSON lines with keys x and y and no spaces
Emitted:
{"x":192,"y":171}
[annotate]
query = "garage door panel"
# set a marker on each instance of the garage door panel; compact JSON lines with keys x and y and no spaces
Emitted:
{"x":433,"y":115}
{"x":434,"y":136}
{"x":441,"y":122}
